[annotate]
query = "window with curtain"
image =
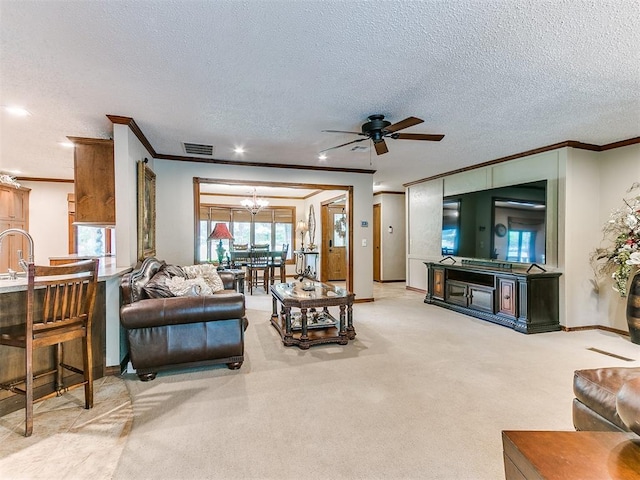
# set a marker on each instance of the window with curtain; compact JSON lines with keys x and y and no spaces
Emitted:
{"x":273,"y":226}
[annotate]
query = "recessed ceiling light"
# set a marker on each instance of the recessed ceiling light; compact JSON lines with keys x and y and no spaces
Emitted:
{"x":322,"y":156}
{"x":238,"y":150}
{"x":66,"y":144}
{"x":17,"y":111}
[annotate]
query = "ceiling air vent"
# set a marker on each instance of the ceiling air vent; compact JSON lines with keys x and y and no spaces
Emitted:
{"x":197,"y":149}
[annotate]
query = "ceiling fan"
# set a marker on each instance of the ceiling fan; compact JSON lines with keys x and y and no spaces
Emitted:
{"x":377,"y":129}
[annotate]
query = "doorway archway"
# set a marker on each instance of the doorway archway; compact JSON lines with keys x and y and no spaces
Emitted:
{"x":311,"y":194}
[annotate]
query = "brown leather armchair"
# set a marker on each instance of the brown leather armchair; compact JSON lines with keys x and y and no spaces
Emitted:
{"x":178,"y":332}
{"x":607,"y":399}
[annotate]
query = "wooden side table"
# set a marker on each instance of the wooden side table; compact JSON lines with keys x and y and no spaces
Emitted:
{"x":550,"y":455}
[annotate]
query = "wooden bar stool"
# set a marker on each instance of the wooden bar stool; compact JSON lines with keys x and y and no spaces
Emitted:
{"x":60,"y":304}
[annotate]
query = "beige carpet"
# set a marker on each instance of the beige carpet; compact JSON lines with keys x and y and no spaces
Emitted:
{"x":422,"y":393}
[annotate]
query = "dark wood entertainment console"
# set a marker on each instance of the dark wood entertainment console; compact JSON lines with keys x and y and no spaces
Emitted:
{"x":526,"y":302}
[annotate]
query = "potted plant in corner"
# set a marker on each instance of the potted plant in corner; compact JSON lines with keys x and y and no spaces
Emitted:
{"x":623,"y":257}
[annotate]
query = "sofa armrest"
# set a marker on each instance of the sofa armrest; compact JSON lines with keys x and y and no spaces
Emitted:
{"x":228,"y":279}
{"x":181,"y":310}
{"x":628,"y":404}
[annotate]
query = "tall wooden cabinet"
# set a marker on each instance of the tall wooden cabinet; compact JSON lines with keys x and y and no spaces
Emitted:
{"x":14,"y":213}
{"x":95,"y":191}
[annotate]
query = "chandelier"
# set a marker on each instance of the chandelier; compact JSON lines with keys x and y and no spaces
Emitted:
{"x":255,"y":204}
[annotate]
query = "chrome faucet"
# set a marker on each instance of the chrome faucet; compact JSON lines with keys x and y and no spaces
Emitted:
{"x":23,"y":264}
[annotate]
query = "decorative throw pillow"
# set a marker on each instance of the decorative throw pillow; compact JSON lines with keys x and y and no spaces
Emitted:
{"x":207,"y":272}
{"x":174,"y":270}
{"x":186,"y":287}
{"x":157,"y":286}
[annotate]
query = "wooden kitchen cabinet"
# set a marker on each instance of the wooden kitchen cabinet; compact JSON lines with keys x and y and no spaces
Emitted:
{"x":14,"y":213}
{"x":95,"y":197}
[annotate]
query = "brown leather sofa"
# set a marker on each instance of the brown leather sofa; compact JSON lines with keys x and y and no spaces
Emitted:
{"x":176,"y":332}
{"x":607,"y":399}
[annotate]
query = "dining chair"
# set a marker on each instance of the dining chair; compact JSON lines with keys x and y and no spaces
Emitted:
{"x":280,"y":263}
{"x":258,"y":268}
{"x":60,"y":304}
{"x":240,"y":254}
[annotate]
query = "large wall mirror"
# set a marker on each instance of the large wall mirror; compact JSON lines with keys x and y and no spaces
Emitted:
{"x":220,"y":201}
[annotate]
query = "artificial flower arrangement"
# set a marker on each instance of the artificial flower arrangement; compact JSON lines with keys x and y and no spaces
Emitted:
{"x":8,"y":180}
{"x":623,"y":229}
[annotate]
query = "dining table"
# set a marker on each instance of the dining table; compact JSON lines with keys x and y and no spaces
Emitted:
{"x":242,"y":258}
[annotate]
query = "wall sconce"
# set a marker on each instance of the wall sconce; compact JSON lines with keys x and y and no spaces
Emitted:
{"x":390,"y":229}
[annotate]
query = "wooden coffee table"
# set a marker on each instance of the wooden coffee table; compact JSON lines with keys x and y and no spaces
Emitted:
{"x":530,"y":455}
{"x":311,"y":326}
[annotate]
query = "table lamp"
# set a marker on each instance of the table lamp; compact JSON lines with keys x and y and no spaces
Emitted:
{"x":220,"y":232}
{"x":302,"y":227}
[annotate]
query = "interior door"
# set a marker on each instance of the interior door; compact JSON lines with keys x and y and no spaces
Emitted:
{"x":377,"y":276}
{"x":334,"y":237}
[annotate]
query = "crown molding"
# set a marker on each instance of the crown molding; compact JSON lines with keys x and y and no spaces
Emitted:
{"x":135,"y":129}
{"x":41,"y":179}
{"x":130,"y":122}
{"x":383,"y":192}
{"x":555,"y":146}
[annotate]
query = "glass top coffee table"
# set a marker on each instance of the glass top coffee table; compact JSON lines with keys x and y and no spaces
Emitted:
{"x":313,"y":324}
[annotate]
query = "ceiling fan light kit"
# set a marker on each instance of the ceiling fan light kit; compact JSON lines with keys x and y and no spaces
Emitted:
{"x":377,"y":128}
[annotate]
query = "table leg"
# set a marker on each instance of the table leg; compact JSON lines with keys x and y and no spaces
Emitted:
{"x":287,"y":326}
{"x":274,"y":307}
{"x":342,"y":332}
{"x":351,"y":332}
{"x":304,"y":338}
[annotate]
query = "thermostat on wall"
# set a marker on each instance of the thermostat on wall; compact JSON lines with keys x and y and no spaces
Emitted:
{"x":364,"y":223}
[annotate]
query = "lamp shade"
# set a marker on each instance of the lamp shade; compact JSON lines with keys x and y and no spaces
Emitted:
{"x":302,"y":226}
{"x":220,"y":232}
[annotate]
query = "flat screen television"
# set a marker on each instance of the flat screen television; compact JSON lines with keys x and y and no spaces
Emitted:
{"x":508,"y":224}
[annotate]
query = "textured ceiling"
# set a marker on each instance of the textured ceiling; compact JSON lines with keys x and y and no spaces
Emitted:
{"x":496,"y":77}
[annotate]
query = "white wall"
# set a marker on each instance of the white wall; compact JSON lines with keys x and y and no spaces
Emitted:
{"x":127,"y":152}
{"x":392,"y":245}
{"x":619,"y":168}
{"x":424,"y":229}
{"x":581,"y":222}
{"x":48,"y":219}
{"x":175,"y":212}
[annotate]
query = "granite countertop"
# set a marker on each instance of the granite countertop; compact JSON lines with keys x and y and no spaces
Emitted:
{"x":73,"y":256}
{"x":106,"y":270}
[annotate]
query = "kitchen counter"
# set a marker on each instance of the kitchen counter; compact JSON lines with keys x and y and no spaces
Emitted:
{"x":106,"y":270}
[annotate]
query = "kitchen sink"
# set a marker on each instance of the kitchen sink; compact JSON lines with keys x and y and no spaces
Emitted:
{"x":12,"y":275}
